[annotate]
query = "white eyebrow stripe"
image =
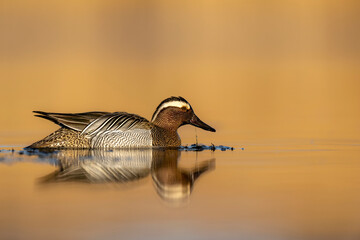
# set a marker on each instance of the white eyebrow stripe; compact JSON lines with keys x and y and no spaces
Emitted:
{"x":178,"y":104}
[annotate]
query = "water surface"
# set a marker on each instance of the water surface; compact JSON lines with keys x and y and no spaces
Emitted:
{"x":275,"y":190}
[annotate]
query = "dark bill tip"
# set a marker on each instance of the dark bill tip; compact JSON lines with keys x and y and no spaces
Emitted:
{"x":195,"y":121}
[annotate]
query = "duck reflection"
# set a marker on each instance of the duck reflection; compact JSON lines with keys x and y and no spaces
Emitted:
{"x":172,"y":183}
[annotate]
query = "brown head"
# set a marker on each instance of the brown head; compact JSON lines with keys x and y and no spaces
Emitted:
{"x":175,"y":112}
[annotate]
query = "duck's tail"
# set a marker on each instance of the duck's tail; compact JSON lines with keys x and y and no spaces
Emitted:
{"x":62,"y":138}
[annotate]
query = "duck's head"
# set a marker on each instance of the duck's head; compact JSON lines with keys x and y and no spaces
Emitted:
{"x":174,"y":112}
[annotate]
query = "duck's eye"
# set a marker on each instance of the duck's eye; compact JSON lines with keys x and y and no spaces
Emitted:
{"x":184,"y":108}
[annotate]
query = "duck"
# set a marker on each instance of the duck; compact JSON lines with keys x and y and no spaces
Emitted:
{"x":91,"y":130}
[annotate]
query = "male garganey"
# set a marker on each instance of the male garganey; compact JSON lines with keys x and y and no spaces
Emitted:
{"x":121,"y":129}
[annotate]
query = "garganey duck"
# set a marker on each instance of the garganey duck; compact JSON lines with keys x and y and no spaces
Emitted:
{"x":121,"y":129}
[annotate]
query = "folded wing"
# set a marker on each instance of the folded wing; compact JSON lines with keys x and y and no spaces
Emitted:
{"x":75,"y":121}
{"x":118,"y":121}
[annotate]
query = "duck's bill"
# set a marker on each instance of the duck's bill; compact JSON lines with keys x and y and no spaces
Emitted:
{"x":195,"y":121}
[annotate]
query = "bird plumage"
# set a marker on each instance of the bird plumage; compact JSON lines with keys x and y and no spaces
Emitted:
{"x":75,"y":121}
{"x":117,"y":121}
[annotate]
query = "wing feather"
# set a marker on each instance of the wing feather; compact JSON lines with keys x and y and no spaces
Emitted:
{"x":118,"y":121}
{"x":75,"y":121}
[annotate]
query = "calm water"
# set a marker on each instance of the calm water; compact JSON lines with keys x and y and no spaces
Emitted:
{"x":270,"y":190}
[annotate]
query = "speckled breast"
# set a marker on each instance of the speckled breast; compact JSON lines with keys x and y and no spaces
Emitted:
{"x":123,"y":139}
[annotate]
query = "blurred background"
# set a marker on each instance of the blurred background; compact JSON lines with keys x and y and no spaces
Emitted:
{"x":251,"y":69}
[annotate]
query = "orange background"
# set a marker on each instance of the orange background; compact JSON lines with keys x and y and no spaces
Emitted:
{"x":250,"y":69}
